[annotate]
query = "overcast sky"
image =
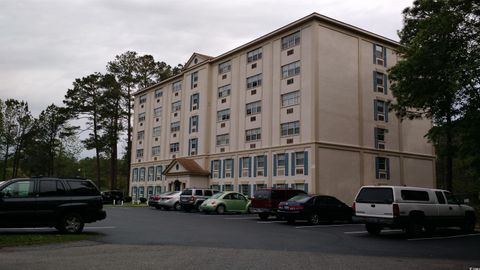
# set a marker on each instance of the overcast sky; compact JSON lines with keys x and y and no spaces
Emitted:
{"x":46,"y":44}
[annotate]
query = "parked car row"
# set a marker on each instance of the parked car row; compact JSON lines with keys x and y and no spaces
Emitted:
{"x":287,"y":204}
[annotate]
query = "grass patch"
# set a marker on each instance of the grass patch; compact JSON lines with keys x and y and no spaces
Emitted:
{"x":25,"y":239}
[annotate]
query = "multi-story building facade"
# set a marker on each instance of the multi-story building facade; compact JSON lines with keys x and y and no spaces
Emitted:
{"x":305,"y":106}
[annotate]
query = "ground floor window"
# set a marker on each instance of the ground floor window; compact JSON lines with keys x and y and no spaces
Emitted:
{"x":141,"y":192}
{"x":228,"y":188}
{"x":158,"y":190}
{"x":280,"y":185}
{"x":215,"y":187}
{"x":244,"y":189}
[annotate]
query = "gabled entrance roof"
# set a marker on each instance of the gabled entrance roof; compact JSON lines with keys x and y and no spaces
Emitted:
{"x":185,"y":167}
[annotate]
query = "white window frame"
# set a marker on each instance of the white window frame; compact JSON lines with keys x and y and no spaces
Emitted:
{"x":176,"y":106}
{"x":291,"y":40}
{"x":254,"y":81}
{"x":290,"y":129}
{"x":223,"y":139}
{"x":254,"y":55}
{"x":253,"y":108}
{"x":290,"y":99}
{"x":156,"y":131}
{"x":155,"y":151}
{"x":254,"y":134}
{"x":223,"y":115}
{"x":176,"y":86}
{"x":175,"y":126}
{"x":157,"y":112}
{"x":224,"y":91}
{"x":174,"y":147}
{"x":290,"y":70}
{"x":225,"y":67}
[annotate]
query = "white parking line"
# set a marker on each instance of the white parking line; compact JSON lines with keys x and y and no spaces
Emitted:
{"x":268,"y":222}
{"x":444,"y":237}
{"x":100,"y":228}
{"x":242,"y":218}
{"x":360,"y":232}
{"x":326,"y":226}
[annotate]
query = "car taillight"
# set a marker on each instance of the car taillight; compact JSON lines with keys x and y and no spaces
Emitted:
{"x":295,"y":207}
{"x":353,"y":207}
{"x":396,"y":210}
{"x":192,"y":198}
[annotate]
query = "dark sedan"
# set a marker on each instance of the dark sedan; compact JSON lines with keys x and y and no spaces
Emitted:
{"x":315,"y":209}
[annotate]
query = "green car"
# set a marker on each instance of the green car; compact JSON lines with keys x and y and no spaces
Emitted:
{"x":226,"y":202}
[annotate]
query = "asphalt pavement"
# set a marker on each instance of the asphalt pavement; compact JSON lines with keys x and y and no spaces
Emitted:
{"x":146,"y":238}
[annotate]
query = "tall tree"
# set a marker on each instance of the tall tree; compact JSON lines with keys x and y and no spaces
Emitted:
{"x":51,"y":128}
{"x":112,"y":115}
{"x":84,"y":102}
{"x":437,"y":68}
{"x":124,"y":69}
{"x":15,"y":123}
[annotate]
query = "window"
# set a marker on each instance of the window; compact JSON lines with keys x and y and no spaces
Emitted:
{"x":143,"y":99}
{"x":216,"y":169}
{"x":253,"y":134}
{"x":415,"y":195}
{"x":150,"y":173}
{"x":224,"y":67}
{"x":19,"y":189}
{"x":254,"y":81}
{"x":193,"y":146}
{"x":291,"y":70}
{"x":281,"y":160}
{"x":450,"y":198}
{"x":290,"y":99}
{"x":380,"y":82}
{"x":299,"y":159}
{"x":158,"y":173}
{"x":223,"y":115}
{"x":243,"y":189}
{"x":259,"y":166}
{"x":139,"y":153}
{"x":82,"y":188}
{"x":223,"y":139}
{"x":176,"y":106}
{"x":291,"y":128}
{"x":141,"y":135}
{"x":379,"y":55}
{"x":254,"y":108}
{"x":176,"y":86}
{"x":142,"y":174}
{"x":228,"y":168}
{"x":193,"y":124}
{"x":254,"y":55}
{"x":175,"y":126}
{"x":381,"y":110}
{"x":228,"y":187}
{"x":224,"y":91}
{"x":174,"y":147}
{"x":158,"y":93}
{"x":245,"y":166}
{"x":141,"y":117}
{"x":156,"y":132}
{"x":379,"y":134}
{"x":440,"y":198}
{"x":194,"y":102}
{"x":194,"y":80}
{"x":157,"y":112}
{"x":156,"y":151}
{"x":382,"y":168}
{"x":135,"y":175}
{"x":291,"y":40}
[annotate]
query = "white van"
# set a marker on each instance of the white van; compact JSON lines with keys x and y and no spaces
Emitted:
{"x":410,"y":208}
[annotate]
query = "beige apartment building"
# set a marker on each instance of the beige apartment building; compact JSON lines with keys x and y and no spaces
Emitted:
{"x":305,"y":106}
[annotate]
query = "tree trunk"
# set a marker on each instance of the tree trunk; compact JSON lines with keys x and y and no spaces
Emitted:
{"x":97,"y":146}
{"x":5,"y":161}
{"x":450,"y":153}
{"x":129,"y":137}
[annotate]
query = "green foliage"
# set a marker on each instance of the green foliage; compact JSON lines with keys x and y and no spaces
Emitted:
{"x":438,"y":73}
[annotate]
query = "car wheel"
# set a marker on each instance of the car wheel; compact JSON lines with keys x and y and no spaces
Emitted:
{"x":157,"y":207}
{"x":71,"y":223}
{"x":249,"y":210}
{"x":220,"y":209}
{"x":373,"y":229}
{"x":263,"y":216}
{"x":177,"y":207}
{"x":414,"y":228}
{"x":468,"y":225}
{"x":314,"y":219}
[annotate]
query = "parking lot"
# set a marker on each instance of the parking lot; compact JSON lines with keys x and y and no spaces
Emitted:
{"x":146,"y":236}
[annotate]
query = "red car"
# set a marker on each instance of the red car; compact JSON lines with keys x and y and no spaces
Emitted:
{"x":265,"y":201}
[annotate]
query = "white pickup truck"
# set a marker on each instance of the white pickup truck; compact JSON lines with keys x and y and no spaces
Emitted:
{"x":410,"y":208}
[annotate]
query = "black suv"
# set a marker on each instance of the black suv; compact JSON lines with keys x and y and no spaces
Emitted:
{"x":66,"y":204}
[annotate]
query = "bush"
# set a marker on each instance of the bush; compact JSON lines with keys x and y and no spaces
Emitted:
{"x":143,"y":200}
{"x":127,"y":199}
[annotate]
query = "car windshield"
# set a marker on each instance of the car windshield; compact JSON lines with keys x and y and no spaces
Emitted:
{"x":217,"y":195}
{"x":300,"y":198}
{"x":262,"y":194}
